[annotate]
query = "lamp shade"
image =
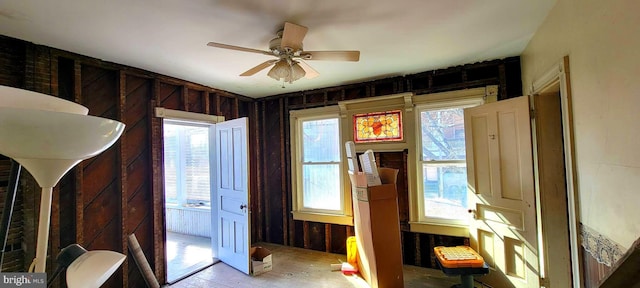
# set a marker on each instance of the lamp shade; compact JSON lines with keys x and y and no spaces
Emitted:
{"x":286,"y":70}
{"x":93,"y":268}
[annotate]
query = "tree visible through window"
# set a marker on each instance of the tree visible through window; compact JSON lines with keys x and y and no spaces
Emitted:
{"x":443,"y":163}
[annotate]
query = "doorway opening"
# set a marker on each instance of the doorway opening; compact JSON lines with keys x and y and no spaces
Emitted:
{"x":187,"y":187}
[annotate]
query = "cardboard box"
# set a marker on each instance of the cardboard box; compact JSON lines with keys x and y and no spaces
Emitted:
{"x":361,"y":192}
{"x":261,"y":261}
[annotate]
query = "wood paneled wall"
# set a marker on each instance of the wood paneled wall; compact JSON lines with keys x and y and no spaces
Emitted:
{"x":274,"y":207}
{"x":119,"y":192}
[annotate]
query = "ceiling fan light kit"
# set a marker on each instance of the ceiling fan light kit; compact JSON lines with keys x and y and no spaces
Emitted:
{"x":286,"y":70}
{"x":287,"y":47}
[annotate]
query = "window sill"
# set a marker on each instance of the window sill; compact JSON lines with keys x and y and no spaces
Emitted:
{"x":440,"y":229}
{"x":192,"y":208}
{"x":323,"y":218}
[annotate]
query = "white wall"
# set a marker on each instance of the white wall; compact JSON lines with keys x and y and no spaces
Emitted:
{"x":602,"y":39}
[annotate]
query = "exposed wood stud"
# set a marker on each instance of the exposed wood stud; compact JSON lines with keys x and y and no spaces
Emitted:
{"x":80,"y":167}
{"x":503,"y":82}
{"x":236,"y":108}
{"x":157,"y":179}
{"x":54,"y":222}
{"x":218,"y":110}
{"x":207,"y":99}
{"x":283,"y":171}
{"x":418,"y":249}
{"x":327,"y":237}
{"x":305,"y":232}
{"x":123,"y":174}
{"x":432,"y":243}
{"x":185,"y":98}
{"x":267,"y":206}
{"x":291,"y":229}
{"x":259,"y":193}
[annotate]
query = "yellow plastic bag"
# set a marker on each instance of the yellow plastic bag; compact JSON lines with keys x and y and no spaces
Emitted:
{"x":352,"y":251}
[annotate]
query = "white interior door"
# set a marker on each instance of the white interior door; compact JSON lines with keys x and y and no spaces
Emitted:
{"x":500,"y":178}
{"x":232,"y":188}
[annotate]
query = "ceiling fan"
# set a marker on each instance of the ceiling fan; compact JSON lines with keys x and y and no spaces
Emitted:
{"x":287,"y":48}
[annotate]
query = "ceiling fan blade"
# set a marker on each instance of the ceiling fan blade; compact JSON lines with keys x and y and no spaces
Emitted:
{"x":331,"y":55}
{"x":292,"y":36}
{"x":310,"y":73}
{"x":258,"y":68}
{"x":238,"y":48}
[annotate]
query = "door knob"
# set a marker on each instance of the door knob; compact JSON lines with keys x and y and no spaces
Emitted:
{"x":473,"y":212}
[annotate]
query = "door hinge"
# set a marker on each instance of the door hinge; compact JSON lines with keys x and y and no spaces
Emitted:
{"x":532,"y":113}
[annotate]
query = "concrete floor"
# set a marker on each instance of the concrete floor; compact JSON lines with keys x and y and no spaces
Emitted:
{"x":295,"y":267}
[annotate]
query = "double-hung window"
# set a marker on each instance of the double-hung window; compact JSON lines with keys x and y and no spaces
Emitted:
{"x":317,"y":172}
{"x":441,"y":164}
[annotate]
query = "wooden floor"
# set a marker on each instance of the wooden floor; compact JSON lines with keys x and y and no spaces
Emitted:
{"x":186,"y":254}
{"x":295,"y":267}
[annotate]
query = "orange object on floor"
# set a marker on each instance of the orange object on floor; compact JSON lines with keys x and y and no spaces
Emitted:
{"x":458,"y":256}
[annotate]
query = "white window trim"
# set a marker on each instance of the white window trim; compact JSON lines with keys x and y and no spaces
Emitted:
{"x":345,"y":217}
{"x":417,"y":222}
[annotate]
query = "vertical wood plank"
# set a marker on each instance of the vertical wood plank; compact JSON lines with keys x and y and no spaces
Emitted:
{"x":236,"y":108}
{"x":217,"y":100}
{"x":80,"y":167}
{"x":259,"y":212}
{"x":502,"y":75}
{"x":305,"y":232}
{"x":283,"y":171}
{"x":207,"y":100}
{"x":327,"y":237}
{"x":185,"y":98}
{"x":291,"y":228}
{"x":267,"y":206}
{"x":54,"y":222}
{"x":157,"y":182}
{"x":123,"y":174}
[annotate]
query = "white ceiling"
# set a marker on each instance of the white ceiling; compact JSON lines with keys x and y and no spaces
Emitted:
{"x":169,"y":37}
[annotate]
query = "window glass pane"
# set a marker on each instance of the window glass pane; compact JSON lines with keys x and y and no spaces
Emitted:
{"x":186,"y":164}
{"x":321,"y":140}
{"x":378,"y":126}
{"x":442,"y":134}
{"x":196,"y":147}
{"x":321,"y":186}
{"x":445,"y":195}
{"x":170,"y":163}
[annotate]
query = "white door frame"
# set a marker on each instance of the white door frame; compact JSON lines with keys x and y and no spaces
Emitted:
{"x":559,"y":75}
{"x":210,"y":120}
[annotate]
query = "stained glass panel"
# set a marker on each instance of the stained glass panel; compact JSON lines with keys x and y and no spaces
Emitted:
{"x":378,"y":127}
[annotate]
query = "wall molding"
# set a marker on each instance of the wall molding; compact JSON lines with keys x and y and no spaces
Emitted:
{"x":603,"y":249}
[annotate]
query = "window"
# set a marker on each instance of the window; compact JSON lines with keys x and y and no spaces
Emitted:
{"x":321,"y":164}
{"x":442,"y":163}
{"x":317,"y":172}
{"x":186,"y":164}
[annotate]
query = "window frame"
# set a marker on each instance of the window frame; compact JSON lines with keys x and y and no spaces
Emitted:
{"x":419,"y":221}
{"x":343,"y":216}
{"x":436,"y":163}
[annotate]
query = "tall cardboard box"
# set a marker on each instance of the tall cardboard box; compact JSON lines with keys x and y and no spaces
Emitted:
{"x":377,"y":229}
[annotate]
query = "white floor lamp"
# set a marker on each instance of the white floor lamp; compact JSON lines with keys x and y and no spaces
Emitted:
{"x":49,"y":136}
